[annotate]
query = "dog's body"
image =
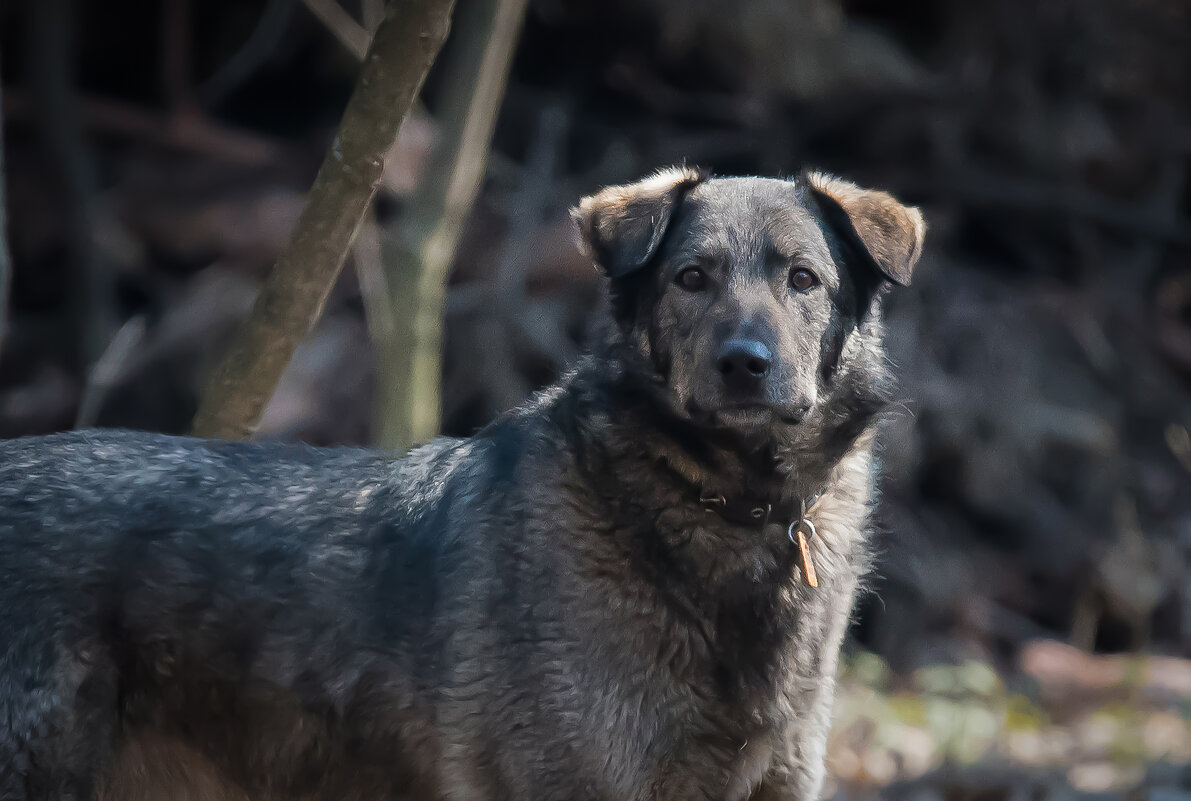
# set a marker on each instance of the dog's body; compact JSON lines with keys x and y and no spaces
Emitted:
{"x":578,"y":603}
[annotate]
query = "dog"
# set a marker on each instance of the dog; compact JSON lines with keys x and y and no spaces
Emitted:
{"x":633,"y":587}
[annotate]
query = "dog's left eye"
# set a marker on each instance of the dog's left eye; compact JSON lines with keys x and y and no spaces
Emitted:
{"x":692,"y":279}
{"x":802,"y":279}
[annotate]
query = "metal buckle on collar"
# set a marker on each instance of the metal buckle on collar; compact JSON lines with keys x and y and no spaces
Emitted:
{"x":762,"y":512}
{"x":713,"y":500}
{"x":798,"y":525}
{"x":758,"y":513}
{"x":802,"y":520}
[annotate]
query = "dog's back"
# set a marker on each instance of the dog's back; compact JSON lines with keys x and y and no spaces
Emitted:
{"x":208,"y":600}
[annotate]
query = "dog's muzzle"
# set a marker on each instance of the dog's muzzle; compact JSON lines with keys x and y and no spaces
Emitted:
{"x":744,"y":365}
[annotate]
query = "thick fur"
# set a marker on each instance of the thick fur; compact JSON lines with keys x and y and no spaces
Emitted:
{"x":543,"y":611}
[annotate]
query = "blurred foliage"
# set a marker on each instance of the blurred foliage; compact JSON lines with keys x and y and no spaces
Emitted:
{"x":1050,"y":717}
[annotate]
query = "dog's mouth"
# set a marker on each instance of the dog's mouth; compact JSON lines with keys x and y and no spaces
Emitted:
{"x":750,"y":416}
{"x":742,"y":416}
{"x":754,"y":415}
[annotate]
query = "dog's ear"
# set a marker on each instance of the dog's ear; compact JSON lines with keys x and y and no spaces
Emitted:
{"x":886,"y":231}
{"x":621,"y":227}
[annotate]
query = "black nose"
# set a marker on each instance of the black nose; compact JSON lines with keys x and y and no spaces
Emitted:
{"x":744,"y":363}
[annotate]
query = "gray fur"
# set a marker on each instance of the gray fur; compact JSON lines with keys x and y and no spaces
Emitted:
{"x":544,"y":611}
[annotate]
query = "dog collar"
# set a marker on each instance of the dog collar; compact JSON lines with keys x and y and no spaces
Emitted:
{"x":759,"y":512}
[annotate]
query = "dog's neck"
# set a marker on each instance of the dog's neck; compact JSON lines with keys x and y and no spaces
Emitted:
{"x":784,"y":512}
{"x":747,"y":481}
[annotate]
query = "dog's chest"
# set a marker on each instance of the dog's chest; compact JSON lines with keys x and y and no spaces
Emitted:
{"x":768,"y":672}
{"x":718,"y":651}
{"x":729,"y":755}
{"x":730,"y":703}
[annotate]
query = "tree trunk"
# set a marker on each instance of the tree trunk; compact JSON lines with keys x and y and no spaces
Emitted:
{"x":420,"y":252}
{"x":52,"y":53}
{"x":5,"y":264}
{"x":292,"y":298}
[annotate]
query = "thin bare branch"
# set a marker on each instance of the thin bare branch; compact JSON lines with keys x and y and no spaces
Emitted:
{"x":409,"y":404}
{"x":405,"y":45}
{"x":5,"y":263}
{"x":260,"y":45}
{"x":52,"y":67}
{"x":350,"y":33}
{"x":192,"y":134}
{"x":108,"y":370}
{"x":370,"y":13}
{"x":374,"y":287}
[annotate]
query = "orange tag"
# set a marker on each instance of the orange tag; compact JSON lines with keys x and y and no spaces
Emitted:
{"x":808,"y":567}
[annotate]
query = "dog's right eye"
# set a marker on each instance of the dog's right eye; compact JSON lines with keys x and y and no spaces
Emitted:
{"x":692,"y":279}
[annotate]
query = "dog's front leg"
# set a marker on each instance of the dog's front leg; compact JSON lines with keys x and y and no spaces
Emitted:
{"x":798,"y":769}
{"x":798,"y":766}
{"x":800,"y":778}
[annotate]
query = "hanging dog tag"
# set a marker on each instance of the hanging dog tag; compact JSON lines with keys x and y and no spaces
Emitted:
{"x":804,"y":548}
{"x":808,"y":567}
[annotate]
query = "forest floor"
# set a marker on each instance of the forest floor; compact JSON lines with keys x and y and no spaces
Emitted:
{"x":1060,"y":724}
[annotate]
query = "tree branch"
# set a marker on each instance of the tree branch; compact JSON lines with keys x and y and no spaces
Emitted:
{"x":410,"y":359}
{"x":405,"y":45}
{"x":198,"y":135}
{"x":52,"y":55}
{"x":350,"y":33}
{"x":5,"y":264}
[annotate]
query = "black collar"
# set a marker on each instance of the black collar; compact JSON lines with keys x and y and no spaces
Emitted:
{"x":756,"y":511}
{"x":759,"y":512}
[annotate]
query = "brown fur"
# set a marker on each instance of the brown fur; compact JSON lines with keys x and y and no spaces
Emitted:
{"x":890,"y":232}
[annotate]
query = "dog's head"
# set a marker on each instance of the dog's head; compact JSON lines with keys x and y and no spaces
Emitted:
{"x":752,"y":303}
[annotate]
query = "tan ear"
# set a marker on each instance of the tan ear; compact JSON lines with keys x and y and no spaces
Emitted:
{"x":890,"y":233}
{"x":621,"y":227}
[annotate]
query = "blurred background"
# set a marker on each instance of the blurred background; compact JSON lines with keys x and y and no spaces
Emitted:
{"x":1028,"y":631}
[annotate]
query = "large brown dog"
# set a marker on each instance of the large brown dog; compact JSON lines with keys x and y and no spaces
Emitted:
{"x":635,"y":587}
